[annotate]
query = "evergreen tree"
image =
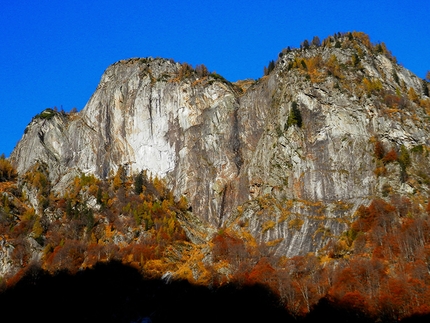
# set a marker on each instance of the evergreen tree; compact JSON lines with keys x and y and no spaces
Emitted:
{"x":404,"y":160}
{"x":89,"y":219}
{"x":295,"y":117}
{"x":304,"y":64}
{"x":379,"y":48}
{"x":99,"y":195}
{"x":316,"y":41}
{"x":425,"y":88}
{"x":69,"y":209}
{"x":396,"y":77}
{"x":138,"y":183}
{"x":305,"y":44}
{"x":271,"y":66}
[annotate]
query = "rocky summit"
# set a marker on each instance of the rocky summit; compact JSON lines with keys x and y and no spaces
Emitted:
{"x":288,"y":158}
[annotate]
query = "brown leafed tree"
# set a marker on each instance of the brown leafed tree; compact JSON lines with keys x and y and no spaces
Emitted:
{"x":7,"y":171}
{"x":202,"y":70}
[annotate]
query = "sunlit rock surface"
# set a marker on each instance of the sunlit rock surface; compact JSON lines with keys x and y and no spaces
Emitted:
{"x":233,"y":152}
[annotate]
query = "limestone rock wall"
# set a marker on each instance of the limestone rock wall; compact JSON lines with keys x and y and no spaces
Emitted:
{"x":234,"y":154}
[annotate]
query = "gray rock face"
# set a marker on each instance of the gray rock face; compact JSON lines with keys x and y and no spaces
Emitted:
{"x":236,"y":156}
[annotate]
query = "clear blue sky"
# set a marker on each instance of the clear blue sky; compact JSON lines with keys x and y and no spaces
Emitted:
{"x":53,"y":53}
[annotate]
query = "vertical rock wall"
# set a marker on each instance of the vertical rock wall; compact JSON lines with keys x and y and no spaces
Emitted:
{"x":235,"y":155}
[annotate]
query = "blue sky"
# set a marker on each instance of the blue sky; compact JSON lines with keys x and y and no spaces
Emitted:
{"x":53,"y":53}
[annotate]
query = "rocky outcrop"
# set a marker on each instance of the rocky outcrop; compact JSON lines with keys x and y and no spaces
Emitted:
{"x":242,"y":158}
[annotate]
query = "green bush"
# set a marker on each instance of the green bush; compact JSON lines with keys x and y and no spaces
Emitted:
{"x":46,"y":114}
{"x":218,"y":77}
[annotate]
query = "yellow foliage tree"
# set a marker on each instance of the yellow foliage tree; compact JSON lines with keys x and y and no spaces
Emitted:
{"x":37,"y":228}
{"x":159,"y":186}
{"x":182,"y":203}
{"x":425,"y":104}
{"x":413,"y":95}
{"x":7,"y":171}
{"x":372,"y":86}
{"x":117,"y":180}
{"x":313,"y":65}
{"x":363,"y":38}
{"x":333,"y":67}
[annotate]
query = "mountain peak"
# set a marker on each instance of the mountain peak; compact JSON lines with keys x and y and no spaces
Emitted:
{"x":305,"y":133}
{"x":312,"y":180}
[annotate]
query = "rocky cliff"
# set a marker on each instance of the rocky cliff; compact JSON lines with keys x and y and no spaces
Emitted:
{"x":288,"y":158}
